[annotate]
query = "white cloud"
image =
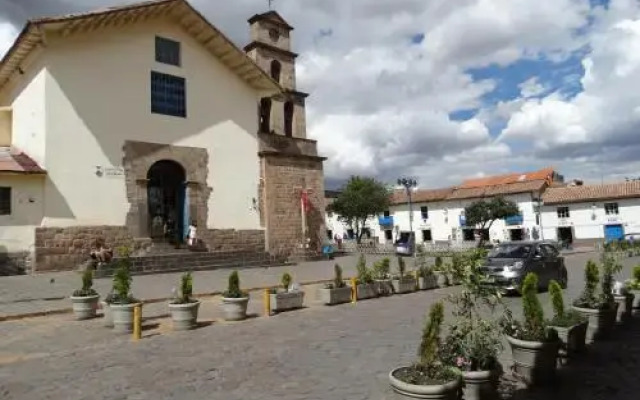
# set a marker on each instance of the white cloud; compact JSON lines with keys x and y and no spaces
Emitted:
{"x":531,"y":88}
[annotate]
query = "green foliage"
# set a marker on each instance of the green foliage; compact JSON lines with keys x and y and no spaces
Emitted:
{"x":361,"y":198}
{"x":634,"y":282}
{"x":401,"y":267}
{"x":438,"y":263}
{"x":636,"y":273}
{"x":233,"y":288}
{"x":122,"y":284}
{"x":430,"y":343}
{"x":338,"y":282}
{"x":534,"y":328}
{"x":382,"y":268}
{"x":186,"y":289}
{"x":555,"y":291}
{"x":364,"y":273}
{"x":87,"y":285}
{"x":286,"y":281}
{"x":610,"y":267}
{"x":483,"y":213}
{"x":589,"y":298}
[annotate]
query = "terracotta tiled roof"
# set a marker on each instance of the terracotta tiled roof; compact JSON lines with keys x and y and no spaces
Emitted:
{"x":576,"y":194}
{"x":421,"y":195}
{"x":14,"y":161}
{"x":543,"y":174}
{"x":497,"y":190}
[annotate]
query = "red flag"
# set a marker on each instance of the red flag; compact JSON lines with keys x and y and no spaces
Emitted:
{"x":304,"y":201}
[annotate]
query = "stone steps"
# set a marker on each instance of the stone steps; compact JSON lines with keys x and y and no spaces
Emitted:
{"x":191,"y":261}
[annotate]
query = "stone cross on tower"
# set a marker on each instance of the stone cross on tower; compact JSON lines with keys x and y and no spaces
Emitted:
{"x":270,"y":3}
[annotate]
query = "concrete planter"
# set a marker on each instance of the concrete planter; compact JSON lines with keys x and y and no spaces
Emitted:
{"x":601,"y":322}
{"x":286,"y":301}
{"x":573,"y":339}
{"x":85,"y":307}
{"x":184,"y":316}
{"x":122,"y":315}
{"x":480,"y":385}
{"x":625,"y":306}
{"x":107,"y":319}
{"x":405,"y":285}
{"x":429,"y":282}
{"x":385,"y":287}
{"x":335,"y":296}
{"x":441,"y":279}
{"x":367,"y":290}
{"x":446,"y":391}
{"x":534,"y":362}
{"x":635,"y":309}
{"x":234,"y":309}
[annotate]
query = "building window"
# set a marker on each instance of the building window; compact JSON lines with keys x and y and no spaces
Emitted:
{"x":329,"y":234}
{"x":563,"y":212}
{"x":167,"y":51}
{"x":426,"y":235}
{"x":386,"y":214}
{"x":168,"y":95}
{"x":288,"y":119}
{"x":5,"y":200}
{"x":276,"y":68}
{"x":388,"y":234}
{"x":424,"y":212}
{"x":611,"y":208}
{"x":265,"y":115}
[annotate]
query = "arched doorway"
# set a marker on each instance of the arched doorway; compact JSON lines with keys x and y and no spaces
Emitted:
{"x":166,"y":194}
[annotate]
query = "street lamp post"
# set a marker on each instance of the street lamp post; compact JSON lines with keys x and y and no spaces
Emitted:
{"x":408,"y":185}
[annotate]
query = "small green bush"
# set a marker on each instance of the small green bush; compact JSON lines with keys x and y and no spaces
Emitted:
{"x":401,"y":267}
{"x":87,"y":285}
{"x":286,"y":281}
{"x":233,"y":288}
{"x":438,"y":263}
{"x":561,"y":317}
{"x":430,"y":343}
{"x":122,"y":284}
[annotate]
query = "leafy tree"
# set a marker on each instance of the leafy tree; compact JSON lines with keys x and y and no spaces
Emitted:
{"x":484,"y":213}
{"x":361,"y":198}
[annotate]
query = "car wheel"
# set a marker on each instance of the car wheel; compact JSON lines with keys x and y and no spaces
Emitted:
{"x":564,"y":279}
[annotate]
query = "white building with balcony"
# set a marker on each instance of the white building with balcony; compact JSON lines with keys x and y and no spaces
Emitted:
{"x":587,"y":214}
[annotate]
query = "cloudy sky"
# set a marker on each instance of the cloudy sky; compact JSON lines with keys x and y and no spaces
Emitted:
{"x":444,"y":90}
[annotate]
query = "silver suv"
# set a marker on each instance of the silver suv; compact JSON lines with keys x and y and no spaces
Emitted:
{"x":508,"y":263}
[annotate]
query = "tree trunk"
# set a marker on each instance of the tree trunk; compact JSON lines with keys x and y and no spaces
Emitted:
{"x":482,"y":239}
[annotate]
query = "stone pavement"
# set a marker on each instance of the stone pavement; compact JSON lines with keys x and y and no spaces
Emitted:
{"x":342,"y":352}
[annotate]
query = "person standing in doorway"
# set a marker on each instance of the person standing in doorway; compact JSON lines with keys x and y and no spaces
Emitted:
{"x":192,"y":234}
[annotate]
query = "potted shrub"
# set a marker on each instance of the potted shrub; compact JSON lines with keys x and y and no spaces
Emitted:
{"x":474,"y":342}
{"x":599,"y":310}
{"x":381,"y":276}
{"x":624,"y":301}
{"x":184,"y":308}
{"x":234,"y":300}
{"x":426,"y":278}
{"x":534,"y":347}
{"x":85,"y":300}
{"x":430,"y":377}
{"x":403,"y":283}
{"x":286,"y":298}
{"x":440,"y":273}
{"x":366,"y":287}
{"x":633,"y":286}
{"x":337,"y":292}
{"x":569,"y":325}
{"x":123,"y":303}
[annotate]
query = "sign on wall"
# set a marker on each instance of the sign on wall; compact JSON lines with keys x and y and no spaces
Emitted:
{"x":109,"y":172}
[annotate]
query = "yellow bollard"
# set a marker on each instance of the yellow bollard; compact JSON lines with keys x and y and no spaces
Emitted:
{"x":137,"y":322}
{"x":267,"y":302}
{"x":354,"y":290}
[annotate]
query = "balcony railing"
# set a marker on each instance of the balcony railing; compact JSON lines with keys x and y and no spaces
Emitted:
{"x":514,"y":220}
{"x":385,"y":221}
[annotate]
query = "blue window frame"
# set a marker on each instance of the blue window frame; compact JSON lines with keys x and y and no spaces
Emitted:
{"x":167,"y":51}
{"x":168,"y":95}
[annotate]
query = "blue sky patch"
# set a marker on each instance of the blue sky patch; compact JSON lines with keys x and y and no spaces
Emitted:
{"x":417,"y":38}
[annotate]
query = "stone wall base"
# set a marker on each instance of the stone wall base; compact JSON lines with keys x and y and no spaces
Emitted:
{"x":65,"y":249}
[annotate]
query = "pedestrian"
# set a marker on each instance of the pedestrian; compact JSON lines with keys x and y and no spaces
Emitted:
{"x":191,"y":234}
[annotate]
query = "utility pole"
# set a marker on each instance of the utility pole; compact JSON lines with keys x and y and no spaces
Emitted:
{"x":409,"y":185}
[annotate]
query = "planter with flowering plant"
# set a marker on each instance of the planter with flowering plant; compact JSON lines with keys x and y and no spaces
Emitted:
{"x":85,"y":300}
{"x":286,"y":298}
{"x":381,"y":276}
{"x":336,"y":292}
{"x":366,"y":287}
{"x":403,"y":283}
{"x":570,"y":326}
{"x":234,"y":300}
{"x":598,"y":308}
{"x":633,"y":286}
{"x":184,"y":308}
{"x":474,"y":342}
{"x":533,"y":345}
{"x":431,"y":377}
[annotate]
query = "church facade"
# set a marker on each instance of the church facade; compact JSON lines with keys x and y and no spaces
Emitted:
{"x":126,"y":125}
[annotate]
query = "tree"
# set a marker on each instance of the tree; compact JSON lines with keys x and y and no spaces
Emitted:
{"x":483,"y":213}
{"x":361,"y":198}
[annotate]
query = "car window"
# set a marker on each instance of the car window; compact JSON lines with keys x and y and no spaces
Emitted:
{"x":549,"y":250}
{"x":510,"y":251}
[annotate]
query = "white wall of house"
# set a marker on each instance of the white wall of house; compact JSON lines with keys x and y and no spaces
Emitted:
{"x":27,"y":205}
{"x":587,"y":220}
{"x":94,"y":94}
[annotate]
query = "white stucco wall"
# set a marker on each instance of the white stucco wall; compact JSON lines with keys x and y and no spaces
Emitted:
{"x":98,"y":96}
{"x":16,"y":229}
{"x":588,"y":219}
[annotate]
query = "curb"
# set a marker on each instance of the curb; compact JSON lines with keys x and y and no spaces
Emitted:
{"x":68,"y":310}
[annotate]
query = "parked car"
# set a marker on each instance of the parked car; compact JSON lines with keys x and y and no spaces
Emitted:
{"x":508,"y":263}
{"x":405,"y":247}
